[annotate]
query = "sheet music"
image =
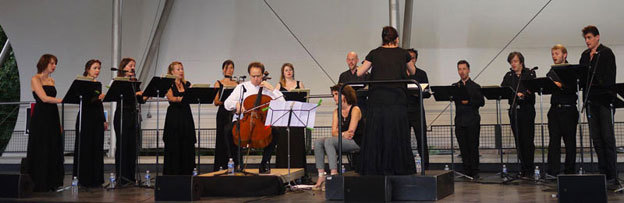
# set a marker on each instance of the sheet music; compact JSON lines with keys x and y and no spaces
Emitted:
{"x":304,"y":114}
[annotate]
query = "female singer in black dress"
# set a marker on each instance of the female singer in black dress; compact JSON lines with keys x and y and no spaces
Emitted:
{"x":386,"y":147}
{"x":179,"y":135}
{"x":297,"y":134}
{"x":45,"y":144}
{"x":126,"y":143}
{"x":224,"y":117}
{"x":91,"y":134}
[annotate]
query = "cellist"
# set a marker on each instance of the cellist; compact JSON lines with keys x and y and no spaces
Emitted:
{"x":234,"y":101}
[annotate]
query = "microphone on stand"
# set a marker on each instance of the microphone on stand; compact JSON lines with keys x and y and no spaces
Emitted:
{"x":117,"y":69}
{"x":534,"y":68}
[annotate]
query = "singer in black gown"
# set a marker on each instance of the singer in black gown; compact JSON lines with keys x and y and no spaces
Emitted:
{"x":91,"y":143}
{"x":127,"y":135}
{"x":179,"y":135}
{"x":45,"y":145}
{"x":224,"y":118}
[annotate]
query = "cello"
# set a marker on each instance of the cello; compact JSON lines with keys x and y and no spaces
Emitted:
{"x":253,"y":133}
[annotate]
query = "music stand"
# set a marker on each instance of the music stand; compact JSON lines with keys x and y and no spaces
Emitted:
{"x":158,"y":87}
{"x":224,"y":93}
{"x":498,"y":93}
{"x":450,"y":94}
{"x":121,"y":91}
{"x":575,"y":76}
{"x":199,"y":94}
{"x":281,"y":114}
{"x":81,"y":87}
{"x":300,"y":95}
{"x":542,"y":86}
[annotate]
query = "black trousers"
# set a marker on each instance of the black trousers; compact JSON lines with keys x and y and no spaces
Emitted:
{"x":562,"y":124}
{"x":523,"y":128}
{"x":599,"y":118}
{"x":233,"y":149}
{"x":468,"y":140}
{"x":414,"y":122}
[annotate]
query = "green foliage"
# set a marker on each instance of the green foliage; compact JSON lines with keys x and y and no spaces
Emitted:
{"x":9,"y":92}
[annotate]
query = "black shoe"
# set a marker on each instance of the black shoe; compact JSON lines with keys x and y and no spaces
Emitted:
{"x":264,"y":169}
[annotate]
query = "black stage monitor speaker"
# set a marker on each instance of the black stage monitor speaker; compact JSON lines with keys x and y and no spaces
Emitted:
{"x":15,"y":185}
{"x":334,"y":189}
{"x":367,"y":189}
{"x":177,"y":188}
{"x":582,"y":188}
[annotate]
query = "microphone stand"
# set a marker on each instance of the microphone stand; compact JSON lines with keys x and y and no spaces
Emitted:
{"x":588,"y":83}
{"x":515,"y":113}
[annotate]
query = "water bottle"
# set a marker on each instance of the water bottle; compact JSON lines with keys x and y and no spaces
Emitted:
{"x":75,"y":181}
{"x":343,"y":169}
{"x":112,"y":180}
{"x":220,"y":168}
{"x":148,"y":180}
{"x":231,"y":166}
{"x":504,"y":169}
{"x":537,"y":173}
{"x":446,"y":168}
{"x":195,"y":172}
{"x":418,"y":167}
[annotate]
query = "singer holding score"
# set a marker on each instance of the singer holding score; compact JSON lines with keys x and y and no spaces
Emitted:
{"x":602,"y":70}
{"x":521,"y":111}
{"x":126,"y":142}
{"x":234,"y":103}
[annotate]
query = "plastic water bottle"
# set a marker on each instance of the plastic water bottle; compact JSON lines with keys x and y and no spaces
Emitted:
{"x":112,"y":180}
{"x":148,"y":180}
{"x":343,"y":169}
{"x":537,"y":173}
{"x":195,"y":172}
{"x":504,"y":169}
{"x":75,"y":181}
{"x":231,"y":166}
{"x":418,"y":167}
{"x":220,"y":168}
{"x":446,"y":168}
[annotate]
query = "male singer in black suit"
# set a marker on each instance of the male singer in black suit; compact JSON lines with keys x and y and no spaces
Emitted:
{"x":601,"y":61}
{"x":414,"y":111}
{"x":521,"y":111}
{"x":468,"y":120}
{"x":562,"y":118}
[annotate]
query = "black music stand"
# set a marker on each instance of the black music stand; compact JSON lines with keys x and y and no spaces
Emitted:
{"x":224,"y":93}
{"x":281,"y":114}
{"x":542,"y":86}
{"x":121,"y":91}
{"x":498,"y":93}
{"x":158,"y":87}
{"x":199,"y":96}
{"x":79,"y":89}
{"x":450,"y":94}
{"x":575,"y":76}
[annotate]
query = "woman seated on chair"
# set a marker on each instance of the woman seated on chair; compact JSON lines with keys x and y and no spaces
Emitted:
{"x":351,"y":133}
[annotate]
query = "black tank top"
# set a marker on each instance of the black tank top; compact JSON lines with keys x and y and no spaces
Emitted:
{"x":284,"y":89}
{"x":357,"y":137}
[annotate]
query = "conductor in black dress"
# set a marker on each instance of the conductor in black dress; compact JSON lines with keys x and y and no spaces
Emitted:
{"x":179,"y":133}
{"x":521,"y":111}
{"x":91,"y":134}
{"x":468,"y":120}
{"x":414,"y":110}
{"x":601,"y":61}
{"x":126,"y":143}
{"x":562,"y":118}
{"x":386,"y":147}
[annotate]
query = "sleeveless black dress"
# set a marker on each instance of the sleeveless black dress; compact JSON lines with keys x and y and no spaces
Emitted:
{"x":297,"y":145}
{"x":179,"y":137}
{"x":126,"y":152}
{"x":91,"y":143}
{"x":222,"y":146}
{"x":45,"y":145}
{"x":386,"y":147}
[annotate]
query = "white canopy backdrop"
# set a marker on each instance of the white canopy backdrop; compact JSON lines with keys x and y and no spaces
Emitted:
{"x":202,"y":34}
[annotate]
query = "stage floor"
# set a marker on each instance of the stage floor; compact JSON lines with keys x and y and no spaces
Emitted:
{"x":524,"y":191}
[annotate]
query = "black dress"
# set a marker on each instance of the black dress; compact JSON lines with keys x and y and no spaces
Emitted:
{"x":126,"y":152}
{"x":386,"y":147}
{"x":297,"y":145}
{"x":179,"y":137}
{"x":222,"y":147}
{"x":45,"y":145}
{"x":91,"y":143}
